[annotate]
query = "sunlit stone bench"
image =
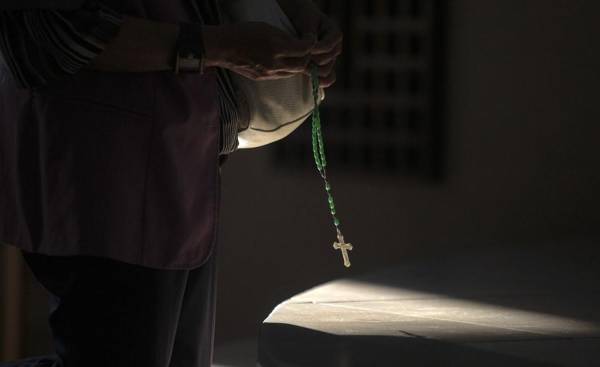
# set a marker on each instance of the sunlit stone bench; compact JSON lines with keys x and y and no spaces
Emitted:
{"x":494,"y":309}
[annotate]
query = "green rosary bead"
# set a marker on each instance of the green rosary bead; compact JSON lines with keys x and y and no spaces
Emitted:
{"x":318,"y":146}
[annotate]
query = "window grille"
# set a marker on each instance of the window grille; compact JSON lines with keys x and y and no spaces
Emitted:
{"x":383,"y":115}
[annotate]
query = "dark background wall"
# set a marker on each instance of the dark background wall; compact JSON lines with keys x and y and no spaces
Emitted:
{"x":522,"y":170}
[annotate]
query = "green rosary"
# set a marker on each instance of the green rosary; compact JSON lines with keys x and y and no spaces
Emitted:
{"x":318,"y":146}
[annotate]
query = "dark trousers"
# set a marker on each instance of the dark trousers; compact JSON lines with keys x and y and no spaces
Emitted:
{"x":111,"y":314}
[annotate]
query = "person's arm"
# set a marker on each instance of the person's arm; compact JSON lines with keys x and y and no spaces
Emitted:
{"x":141,"y":45}
{"x":41,"y":4}
{"x":253,"y":49}
{"x":41,"y":46}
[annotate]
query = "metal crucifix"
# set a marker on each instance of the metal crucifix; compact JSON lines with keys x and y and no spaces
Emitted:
{"x":344,"y":247}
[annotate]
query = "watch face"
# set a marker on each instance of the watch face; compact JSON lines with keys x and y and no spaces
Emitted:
{"x":189,"y":61}
{"x":190,"y":50}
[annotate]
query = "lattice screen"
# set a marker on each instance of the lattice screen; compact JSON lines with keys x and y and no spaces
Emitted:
{"x":383,"y":115}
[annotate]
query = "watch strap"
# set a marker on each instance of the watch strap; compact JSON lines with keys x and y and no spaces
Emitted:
{"x":189,"y":55}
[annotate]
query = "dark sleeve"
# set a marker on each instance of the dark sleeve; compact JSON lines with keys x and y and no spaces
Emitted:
{"x":39,"y":46}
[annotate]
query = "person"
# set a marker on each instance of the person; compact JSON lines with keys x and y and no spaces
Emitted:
{"x":111,"y":143}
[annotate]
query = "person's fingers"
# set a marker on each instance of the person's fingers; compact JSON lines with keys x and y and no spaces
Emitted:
{"x":326,"y":58}
{"x":331,"y":37}
{"x":327,"y":45}
{"x":255,"y":75}
{"x":326,"y":69}
{"x":310,"y":36}
{"x":328,"y":81}
{"x":246,"y":73}
{"x":276,"y":75}
{"x":293,"y":47}
{"x":294,"y":64}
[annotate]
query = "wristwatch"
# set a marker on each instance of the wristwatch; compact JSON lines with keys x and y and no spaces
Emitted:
{"x":189,"y":54}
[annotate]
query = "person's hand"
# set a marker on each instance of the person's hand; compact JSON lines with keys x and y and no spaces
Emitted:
{"x":312,"y":24}
{"x":256,"y":50}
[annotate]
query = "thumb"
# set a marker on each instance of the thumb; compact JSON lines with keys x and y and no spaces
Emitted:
{"x":299,"y":47}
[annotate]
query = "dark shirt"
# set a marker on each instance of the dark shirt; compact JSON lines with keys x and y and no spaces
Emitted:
{"x":117,"y":165}
{"x":41,"y":46}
